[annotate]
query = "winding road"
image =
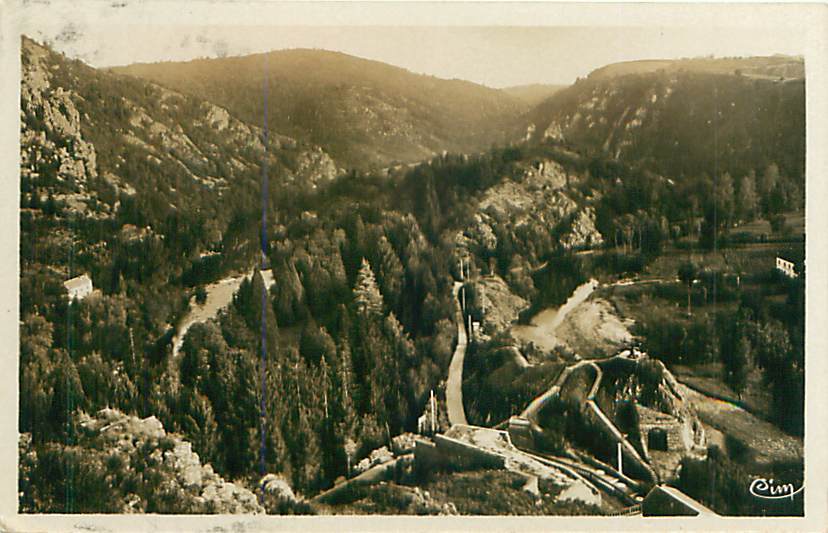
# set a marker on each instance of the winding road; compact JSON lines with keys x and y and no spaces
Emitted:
{"x":611,"y":483}
{"x":454,"y":385}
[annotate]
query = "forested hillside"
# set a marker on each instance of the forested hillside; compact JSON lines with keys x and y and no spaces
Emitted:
{"x":150,"y":193}
{"x":685,"y":118}
{"x":153,"y":194}
{"x":777,"y":67}
{"x":364,"y":113}
{"x":343,"y":321}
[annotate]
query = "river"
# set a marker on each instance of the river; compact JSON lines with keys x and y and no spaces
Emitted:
{"x":541,"y":329}
{"x":219,"y":296}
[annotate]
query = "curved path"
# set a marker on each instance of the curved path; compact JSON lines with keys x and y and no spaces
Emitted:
{"x":542,"y":326}
{"x":219,"y":296}
{"x":531,"y":411}
{"x":454,"y":385}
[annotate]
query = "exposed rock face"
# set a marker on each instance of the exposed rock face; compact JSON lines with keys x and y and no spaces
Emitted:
{"x":481,"y":234}
{"x":377,"y":457}
{"x":51,"y":142}
{"x":311,"y":164}
{"x":368,"y":114}
{"x":537,"y":206}
{"x":316,"y":166}
{"x":648,"y":385}
{"x":78,"y":123}
{"x":646,"y":112}
{"x":273,"y":484}
{"x":501,"y":305}
{"x":538,"y":195}
{"x":126,"y":465}
{"x":582,"y":233}
{"x":115,"y":433}
{"x":554,"y":132}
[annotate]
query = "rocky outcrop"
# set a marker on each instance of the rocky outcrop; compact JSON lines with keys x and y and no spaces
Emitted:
{"x":582,"y":232}
{"x":78,"y":123}
{"x":52,"y":147}
{"x":537,"y":206}
{"x":376,"y":457}
{"x":367,"y":114}
{"x":145,"y":442}
{"x":500,"y":306}
{"x":645,"y":113}
{"x":315,"y":166}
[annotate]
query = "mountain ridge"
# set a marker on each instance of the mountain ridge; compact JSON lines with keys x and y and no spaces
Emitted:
{"x":663,"y":116}
{"x":757,"y":66}
{"x":364,"y":112}
{"x":534,"y":93}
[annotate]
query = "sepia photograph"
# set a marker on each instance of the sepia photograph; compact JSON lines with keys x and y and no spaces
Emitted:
{"x":414,"y":268}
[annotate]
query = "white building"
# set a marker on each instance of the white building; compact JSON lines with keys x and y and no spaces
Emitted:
{"x":786,"y":267}
{"x":79,"y":287}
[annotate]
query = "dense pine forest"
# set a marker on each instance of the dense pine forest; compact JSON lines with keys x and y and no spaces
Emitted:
{"x":158,"y":196}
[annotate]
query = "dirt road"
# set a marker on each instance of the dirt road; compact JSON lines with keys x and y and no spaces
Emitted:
{"x":454,"y":385}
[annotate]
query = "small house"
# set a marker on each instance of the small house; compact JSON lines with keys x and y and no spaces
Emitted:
{"x":786,"y":267}
{"x":663,"y":500}
{"x":79,"y":287}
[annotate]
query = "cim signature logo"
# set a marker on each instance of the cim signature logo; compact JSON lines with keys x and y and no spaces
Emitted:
{"x":769,"y":489}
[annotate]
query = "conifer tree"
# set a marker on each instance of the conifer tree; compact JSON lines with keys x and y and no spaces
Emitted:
{"x":367,"y":297}
{"x":390,"y":273}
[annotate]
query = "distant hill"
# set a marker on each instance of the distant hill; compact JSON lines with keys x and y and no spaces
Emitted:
{"x":534,"y":93}
{"x":769,"y":67}
{"x":685,"y":117}
{"x":364,"y":113}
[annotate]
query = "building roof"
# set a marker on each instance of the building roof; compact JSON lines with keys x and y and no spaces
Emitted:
{"x":78,"y":282}
{"x":688,"y":501}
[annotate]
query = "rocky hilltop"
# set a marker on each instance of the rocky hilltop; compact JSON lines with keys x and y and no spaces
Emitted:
{"x":89,"y":136}
{"x":51,"y":141}
{"x":671,"y":115}
{"x":100,"y":151}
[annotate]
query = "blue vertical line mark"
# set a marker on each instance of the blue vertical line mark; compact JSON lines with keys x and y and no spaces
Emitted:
{"x":263,"y":351}
{"x":715,"y":178}
{"x":69,"y":481}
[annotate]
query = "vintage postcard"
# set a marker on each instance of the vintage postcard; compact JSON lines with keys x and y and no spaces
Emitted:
{"x":372,"y":266}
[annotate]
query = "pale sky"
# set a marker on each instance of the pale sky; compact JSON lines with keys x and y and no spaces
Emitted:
{"x":497,"y":56}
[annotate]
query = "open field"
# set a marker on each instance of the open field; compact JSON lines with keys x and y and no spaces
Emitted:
{"x":794,"y":223}
{"x":660,"y":310}
{"x":707,"y":378}
{"x":768,"y":443}
{"x":742,"y":259}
